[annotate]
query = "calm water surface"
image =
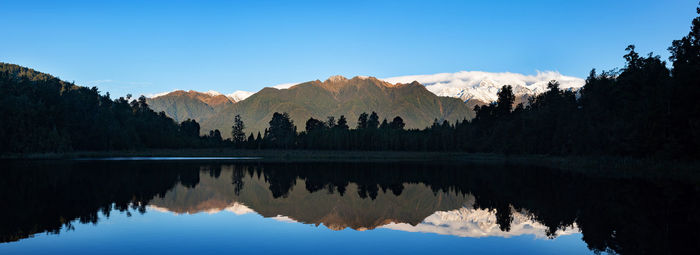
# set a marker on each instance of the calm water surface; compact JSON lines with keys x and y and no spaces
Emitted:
{"x":214,"y":206}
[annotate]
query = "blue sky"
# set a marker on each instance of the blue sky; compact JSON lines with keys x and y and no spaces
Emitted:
{"x":144,"y":48}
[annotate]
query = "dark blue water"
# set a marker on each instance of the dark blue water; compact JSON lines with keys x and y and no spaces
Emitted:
{"x":193,"y":207}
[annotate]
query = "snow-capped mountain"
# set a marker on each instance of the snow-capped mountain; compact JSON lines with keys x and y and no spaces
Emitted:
{"x":484,"y":86}
{"x":212,"y":93}
{"x":466,"y":85}
{"x":239,"y":95}
{"x":160,"y":94}
{"x":235,"y":96}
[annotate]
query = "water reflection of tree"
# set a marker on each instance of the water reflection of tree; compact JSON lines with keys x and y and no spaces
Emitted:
{"x":617,"y":214}
{"x":47,"y":196}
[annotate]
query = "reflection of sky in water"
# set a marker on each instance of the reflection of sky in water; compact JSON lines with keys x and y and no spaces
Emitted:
{"x":281,"y":209}
{"x":228,"y":232}
{"x":464,"y":222}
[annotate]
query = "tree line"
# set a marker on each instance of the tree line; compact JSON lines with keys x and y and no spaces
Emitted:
{"x":40,"y":113}
{"x":644,"y":109}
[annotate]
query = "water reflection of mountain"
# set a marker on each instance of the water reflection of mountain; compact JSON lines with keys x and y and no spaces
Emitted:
{"x":471,"y":222}
{"x":416,"y":209}
{"x":617,"y":214}
{"x":336,"y":211}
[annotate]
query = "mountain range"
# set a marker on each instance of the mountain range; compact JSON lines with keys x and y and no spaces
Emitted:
{"x":181,"y":105}
{"x":335,"y":96}
{"x":404,"y":96}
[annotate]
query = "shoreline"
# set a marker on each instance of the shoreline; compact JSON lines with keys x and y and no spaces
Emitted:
{"x":603,"y":165}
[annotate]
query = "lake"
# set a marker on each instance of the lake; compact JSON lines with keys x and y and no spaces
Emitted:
{"x":217,"y":205}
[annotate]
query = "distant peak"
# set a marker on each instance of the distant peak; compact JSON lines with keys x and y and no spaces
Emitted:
{"x":484,"y":86}
{"x":213,"y":93}
{"x":336,"y":78}
{"x":239,"y":95}
{"x":162,"y":93}
{"x":210,"y":93}
{"x":285,"y":85}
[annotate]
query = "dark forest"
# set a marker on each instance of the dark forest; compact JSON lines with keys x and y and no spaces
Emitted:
{"x":644,"y":109}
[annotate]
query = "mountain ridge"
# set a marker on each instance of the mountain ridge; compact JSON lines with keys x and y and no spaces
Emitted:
{"x":334,"y":96}
{"x":181,"y":105}
{"x":349,"y":97}
{"x":481,"y":87}
{"x":338,"y":95}
{"x":484,"y":86}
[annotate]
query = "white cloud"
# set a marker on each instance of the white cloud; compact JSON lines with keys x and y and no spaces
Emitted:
{"x":98,"y":82}
{"x":479,"y":85}
{"x":484,"y":85}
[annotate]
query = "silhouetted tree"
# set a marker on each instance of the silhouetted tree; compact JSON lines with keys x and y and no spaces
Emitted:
{"x":190,"y":127}
{"x":397,"y":123}
{"x":506,"y":98}
{"x":373,"y":121}
{"x":342,"y":123}
{"x":684,"y":111}
{"x":362,"y":121}
{"x":250,"y":142}
{"x":330,"y":122}
{"x":237,"y":133}
{"x":282,"y":131}
{"x":258,"y":141}
{"x":314,"y":124}
{"x":384,"y":124}
{"x":215,"y":135}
